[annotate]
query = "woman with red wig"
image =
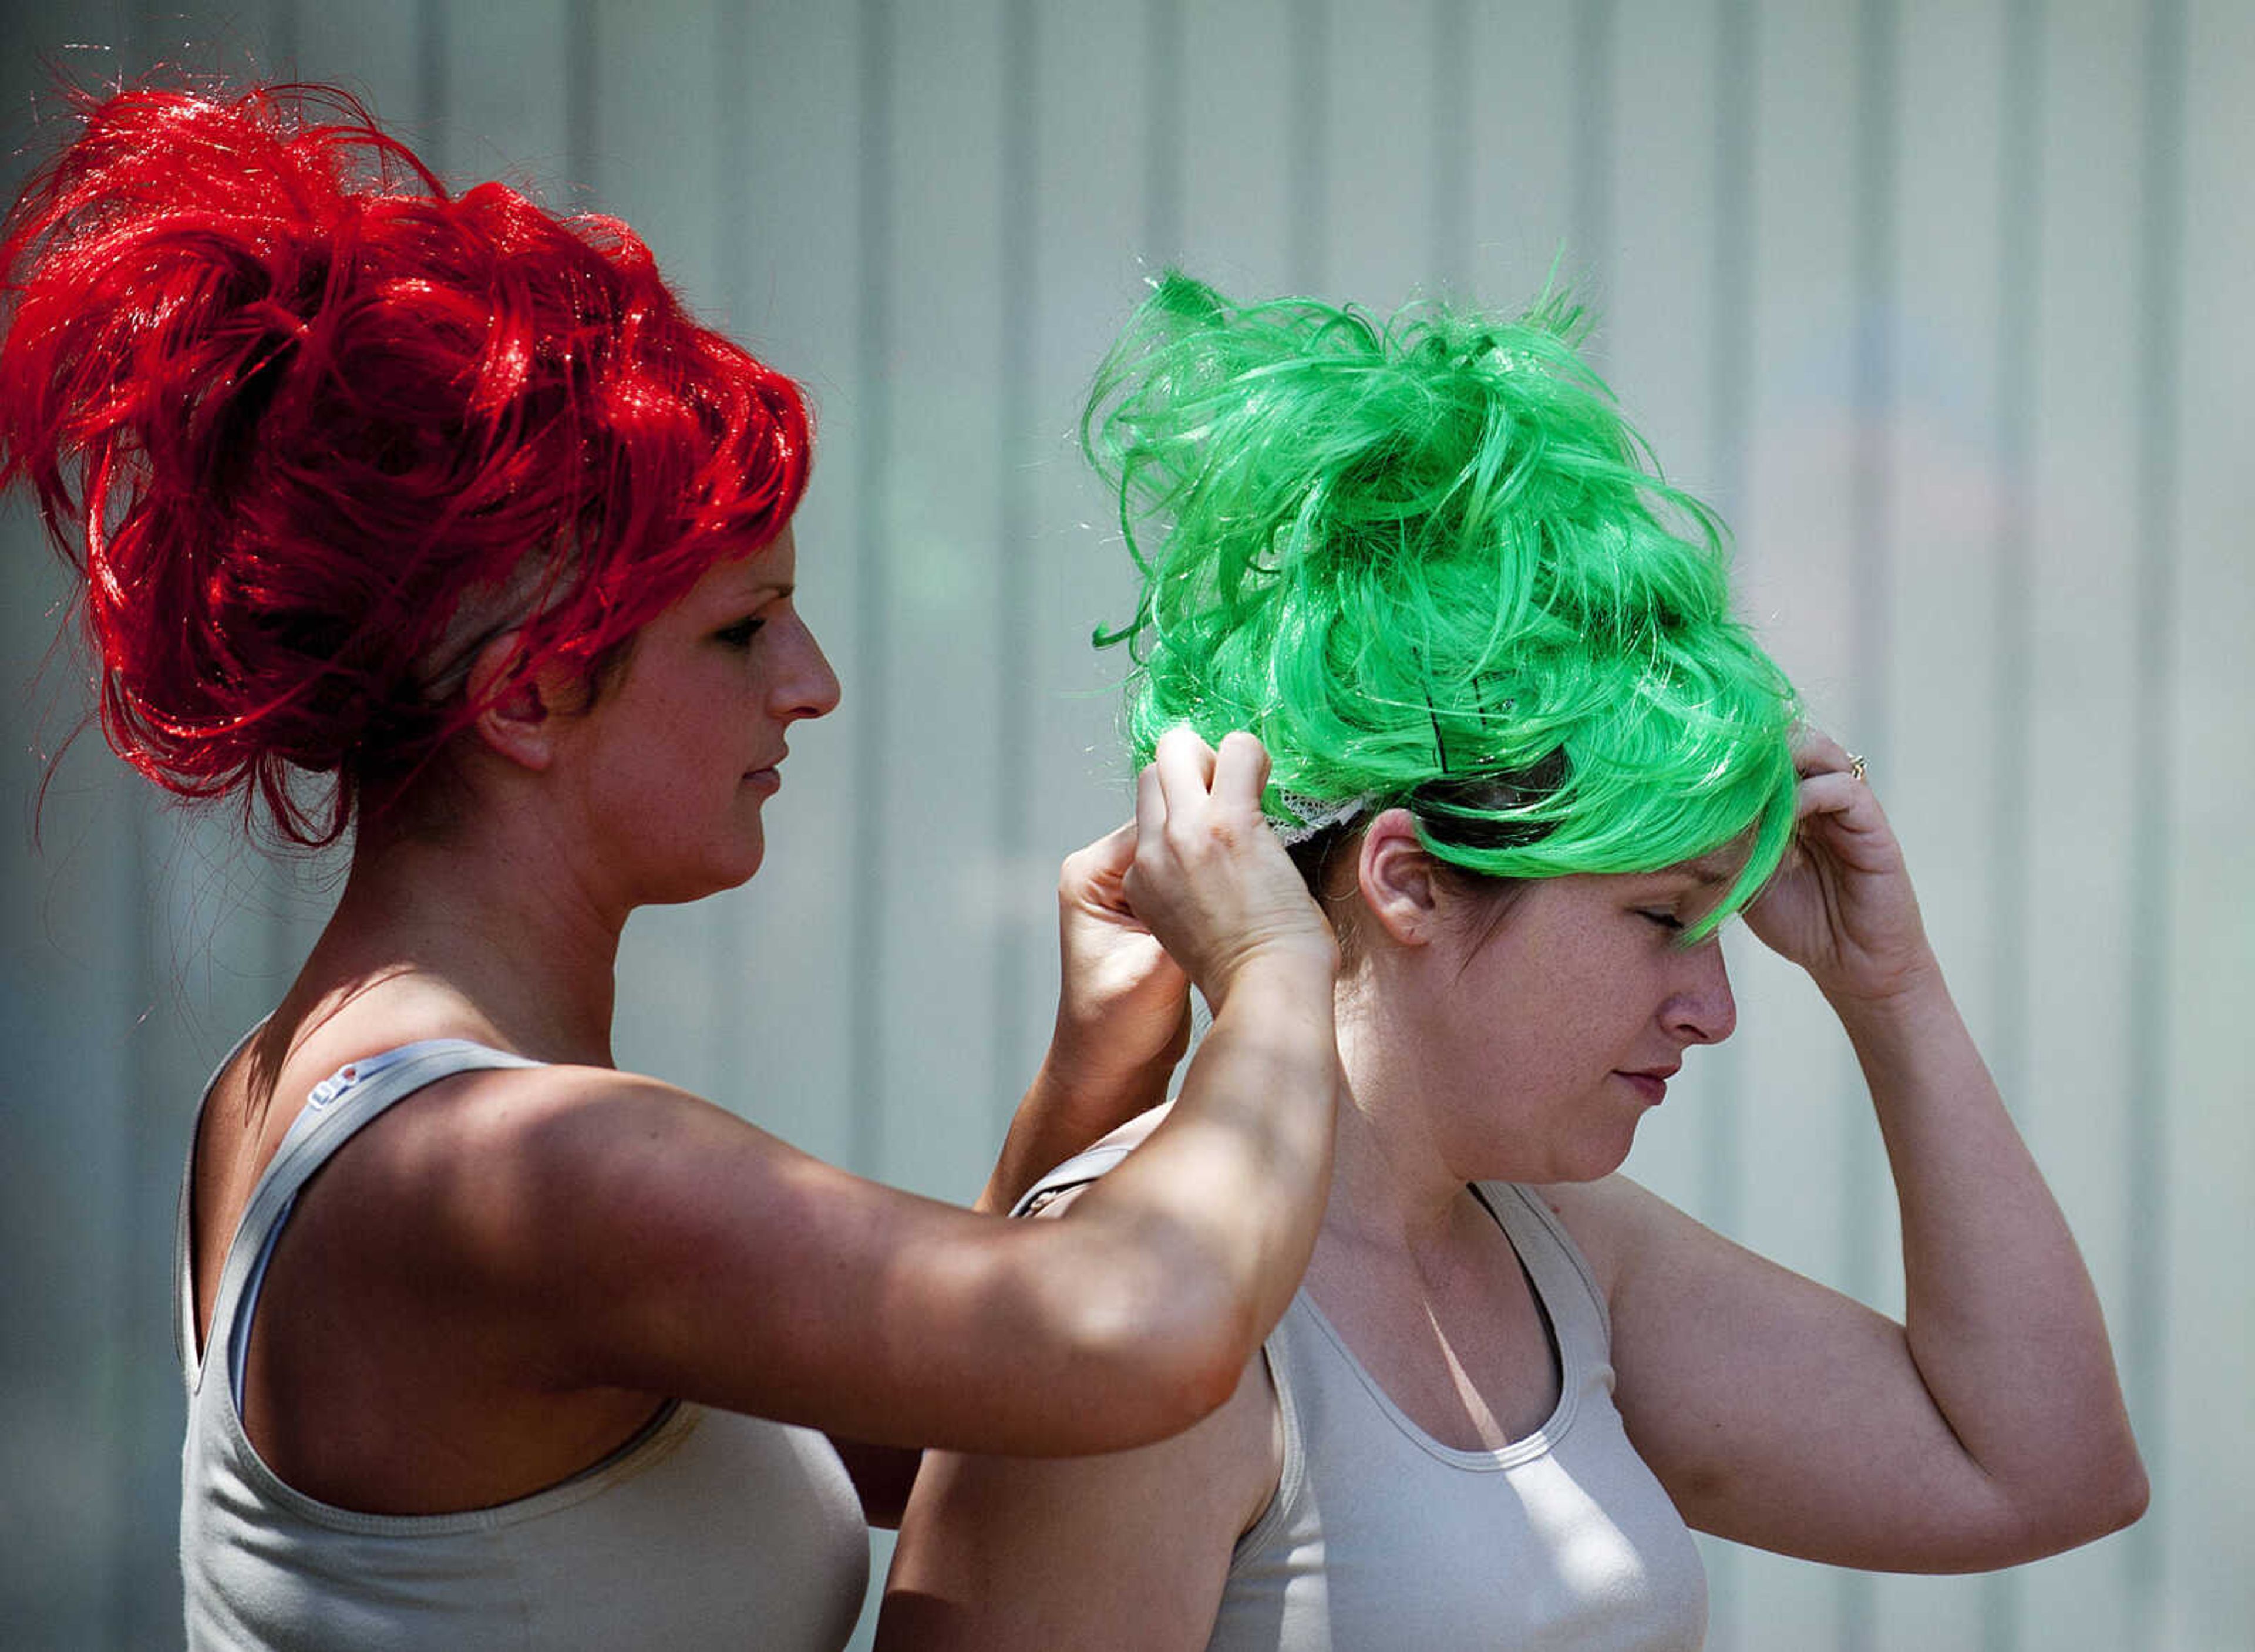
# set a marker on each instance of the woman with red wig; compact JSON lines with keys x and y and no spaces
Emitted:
{"x":431,"y":519}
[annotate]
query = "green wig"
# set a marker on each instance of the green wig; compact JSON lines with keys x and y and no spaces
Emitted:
{"x":1430,"y":566}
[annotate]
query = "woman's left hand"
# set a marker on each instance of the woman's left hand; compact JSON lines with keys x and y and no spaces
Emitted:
{"x":1841,"y":905}
{"x":1123,"y":1023}
{"x":1123,"y":1004}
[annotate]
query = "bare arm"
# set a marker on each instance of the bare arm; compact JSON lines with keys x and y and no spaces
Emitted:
{"x":613,"y":1232}
{"x":1989,"y":1427}
{"x":1123,"y":1023}
{"x":1123,"y":1026}
{"x":1128,"y":1551}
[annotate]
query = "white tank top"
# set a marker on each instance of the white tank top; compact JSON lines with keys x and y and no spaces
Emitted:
{"x":1379,"y":1536}
{"x":708,"y":1530}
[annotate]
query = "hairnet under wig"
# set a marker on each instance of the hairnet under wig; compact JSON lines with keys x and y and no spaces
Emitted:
{"x":1430,"y":564}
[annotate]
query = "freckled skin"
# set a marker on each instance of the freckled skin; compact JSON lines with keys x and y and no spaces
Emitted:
{"x":1521,"y":1036}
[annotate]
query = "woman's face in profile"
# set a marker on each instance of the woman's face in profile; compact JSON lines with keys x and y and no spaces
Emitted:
{"x":676,"y":760}
{"x":1551,"y":1033}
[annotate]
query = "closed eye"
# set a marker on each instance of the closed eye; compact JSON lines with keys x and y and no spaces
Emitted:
{"x":740,"y":634}
{"x":1665,"y":919}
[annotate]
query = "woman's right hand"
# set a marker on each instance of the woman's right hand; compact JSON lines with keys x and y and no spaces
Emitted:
{"x":1210,"y":878}
{"x":1198,"y":885}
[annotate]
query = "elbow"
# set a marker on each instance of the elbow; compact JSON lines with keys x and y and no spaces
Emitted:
{"x":1183,"y":1367}
{"x":1156,"y":1361}
{"x":2133,"y":1494}
{"x":2119,"y":1493}
{"x":2114,"y":1496}
{"x":1206,"y":1377}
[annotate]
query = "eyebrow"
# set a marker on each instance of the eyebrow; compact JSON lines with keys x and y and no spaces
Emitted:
{"x":1711,"y":868}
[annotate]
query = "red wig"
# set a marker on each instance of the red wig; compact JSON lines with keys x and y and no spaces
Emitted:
{"x":311,"y":429}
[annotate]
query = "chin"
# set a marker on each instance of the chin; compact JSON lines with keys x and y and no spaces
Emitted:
{"x":731,"y":873}
{"x":1594,"y":1161}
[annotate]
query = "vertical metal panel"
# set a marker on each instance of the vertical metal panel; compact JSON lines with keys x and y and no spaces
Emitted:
{"x":872,"y":377}
{"x":1238,"y":181}
{"x":1794,"y":533}
{"x":1017,"y":294}
{"x":370,"y":49}
{"x":2100,"y":569}
{"x":1871,"y":598}
{"x":1377,"y":164}
{"x":2148,"y":975}
{"x":433,"y":85}
{"x":1162,"y":131}
{"x":1448,"y":244}
{"x":1731,"y":298}
{"x":778,"y":238}
{"x":2202,"y":1457}
{"x":653,"y":148}
{"x":2084,"y":519}
{"x":949,"y":914}
{"x":146,"y":1145}
{"x":1659,"y":153}
{"x":1943,"y":491}
{"x":1110,"y":178}
{"x":1524,"y":148}
{"x":725,"y":1037}
{"x":1308,"y":139}
{"x":2018,"y":295}
{"x":280,"y":56}
{"x":1592,"y":78}
{"x":582,"y":122}
{"x":491,"y":80}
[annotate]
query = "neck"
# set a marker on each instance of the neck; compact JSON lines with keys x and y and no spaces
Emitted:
{"x":1391,"y":1183}
{"x":469,"y":935}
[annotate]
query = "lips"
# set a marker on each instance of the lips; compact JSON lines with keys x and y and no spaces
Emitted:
{"x":1651,"y":1083}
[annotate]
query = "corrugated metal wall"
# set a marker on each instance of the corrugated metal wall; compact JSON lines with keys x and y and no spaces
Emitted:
{"x":1944,"y":302}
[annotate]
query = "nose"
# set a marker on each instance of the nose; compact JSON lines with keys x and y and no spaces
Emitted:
{"x":1701,"y":1009}
{"x":808,"y":687}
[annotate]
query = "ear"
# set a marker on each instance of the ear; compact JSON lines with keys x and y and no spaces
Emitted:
{"x":515,"y":720}
{"x":1397,"y":879}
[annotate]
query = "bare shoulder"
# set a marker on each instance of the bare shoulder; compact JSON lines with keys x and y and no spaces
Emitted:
{"x":1106,"y":1151}
{"x":1228,"y":1463}
{"x":498,"y":1178}
{"x":500,"y":1127}
{"x":1125,"y":1549}
{"x":1614,"y":1221}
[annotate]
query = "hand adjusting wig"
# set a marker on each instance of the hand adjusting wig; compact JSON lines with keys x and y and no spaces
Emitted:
{"x":1430,"y":566}
{"x":315,"y":429}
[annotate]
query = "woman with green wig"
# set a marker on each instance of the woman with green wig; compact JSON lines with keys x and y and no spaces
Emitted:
{"x":1530,"y":763}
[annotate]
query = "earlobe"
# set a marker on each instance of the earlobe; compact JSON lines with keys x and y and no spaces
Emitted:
{"x":1397,"y":879}
{"x":513,"y":719}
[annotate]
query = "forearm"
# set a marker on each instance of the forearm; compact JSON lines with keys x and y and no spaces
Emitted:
{"x":1071,"y":1103}
{"x":2001,"y":1317}
{"x":1230,"y":1189}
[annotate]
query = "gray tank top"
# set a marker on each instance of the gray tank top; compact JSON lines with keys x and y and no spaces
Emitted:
{"x":707,"y":1529}
{"x":1379,"y":1536}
